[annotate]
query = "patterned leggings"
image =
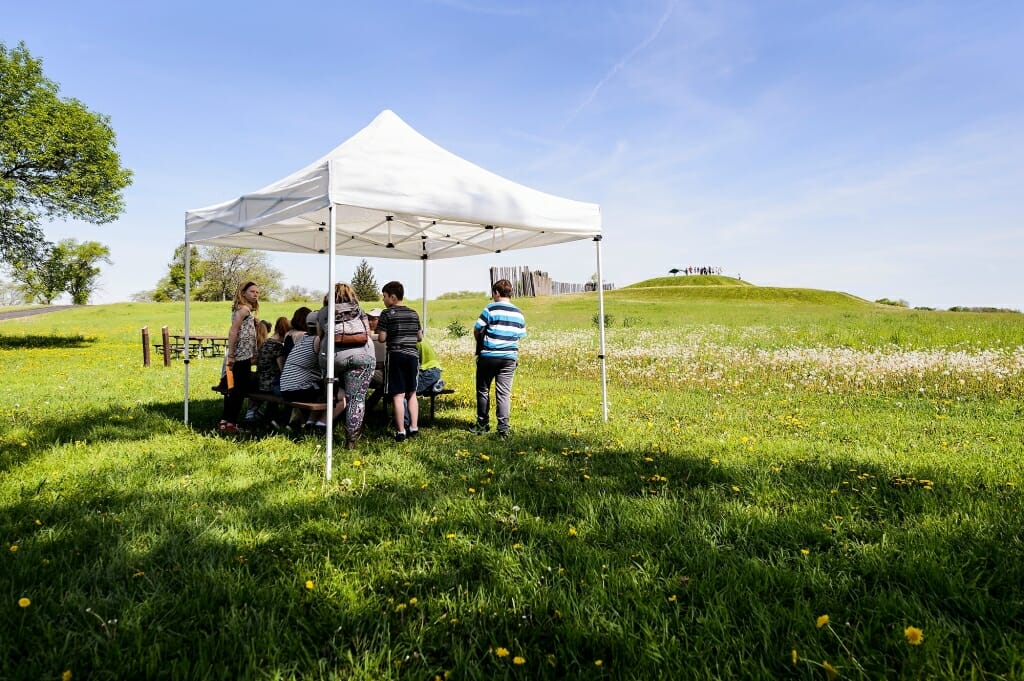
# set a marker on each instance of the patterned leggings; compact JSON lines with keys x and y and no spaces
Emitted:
{"x":354,"y":375}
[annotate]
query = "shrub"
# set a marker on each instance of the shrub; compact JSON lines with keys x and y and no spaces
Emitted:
{"x":455,"y":329}
{"x":608,"y":319}
{"x":894,"y":303}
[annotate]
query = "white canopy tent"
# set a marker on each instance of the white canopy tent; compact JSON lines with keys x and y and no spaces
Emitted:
{"x":389,"y":192}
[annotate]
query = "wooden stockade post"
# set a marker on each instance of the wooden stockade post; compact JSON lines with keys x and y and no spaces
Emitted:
{"x":167,"y":345}
{"x":531,"y":284}
{"x":145,"y":346}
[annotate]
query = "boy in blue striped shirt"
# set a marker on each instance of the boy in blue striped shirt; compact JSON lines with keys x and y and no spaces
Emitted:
{"x":497,"y":330}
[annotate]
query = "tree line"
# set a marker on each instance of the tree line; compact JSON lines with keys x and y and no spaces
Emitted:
{"x":216,"y":271}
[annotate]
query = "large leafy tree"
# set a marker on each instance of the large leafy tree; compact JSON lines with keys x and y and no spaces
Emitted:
{"x":42,"y":279}
{"x":223,"y":269}
{"x":172,"y":286}
{"x":69,"y":267}
{"x":365,"y":284}
{"x":57,"y":159}
{"x":81,"y":267}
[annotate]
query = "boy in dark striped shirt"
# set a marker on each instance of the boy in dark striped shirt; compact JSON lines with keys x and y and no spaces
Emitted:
{"x":498,"y":330}
{"x":399,"y":328}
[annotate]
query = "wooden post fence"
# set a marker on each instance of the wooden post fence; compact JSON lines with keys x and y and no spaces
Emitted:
{"x":145,"y":346}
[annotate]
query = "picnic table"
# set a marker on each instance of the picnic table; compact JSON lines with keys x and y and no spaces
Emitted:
{"x":203,"y":345}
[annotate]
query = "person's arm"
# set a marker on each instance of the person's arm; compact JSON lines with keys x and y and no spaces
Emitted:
{"x":236,"y":324}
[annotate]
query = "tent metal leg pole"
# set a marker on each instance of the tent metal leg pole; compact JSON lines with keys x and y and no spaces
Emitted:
{"x":600,"y":326}
{"x":329,"y":339}
{"x":188,"y":297}
{"x":424,"y":304}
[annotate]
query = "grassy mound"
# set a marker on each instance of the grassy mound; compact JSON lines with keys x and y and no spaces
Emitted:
{"x":692,"y":280}
{"x":740,"y":293}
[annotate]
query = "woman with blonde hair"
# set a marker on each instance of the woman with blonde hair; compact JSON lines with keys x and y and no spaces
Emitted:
{"x":241,"y":349}
{"x":354,"y":359}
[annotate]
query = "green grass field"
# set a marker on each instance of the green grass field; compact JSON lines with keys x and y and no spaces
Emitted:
{"x":773,"y":456}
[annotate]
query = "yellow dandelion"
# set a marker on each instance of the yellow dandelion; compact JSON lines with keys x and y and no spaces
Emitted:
{"x":672,"y":598}
{"x":24,"y":602}
{"x":472,"y":490}
{"x":648,"y":459}
{"x":309,"y":584}
{"x":38,"y":521}
{"x":14,"y":548}
{"x":357,"y":463}
{"x":793,"y":656}
{"x":518,"y":660}
{"x":831,"y":671}
{"x":66,"y":676}
{"x":400,"y":607}
{"x":517,"y":546}
{"x":735,"y":488}
{"x":914,"y":636}
{"x":598,"y":663}
{"x":805,"y":552}
{"x":714,"y":461}
{"x":450,"y":535}
{"x":501,"y":652}
{"x":413,"y":601}
{"x":822,"y":621}
{"x":484,"y":457}
{"x":572,"y":531}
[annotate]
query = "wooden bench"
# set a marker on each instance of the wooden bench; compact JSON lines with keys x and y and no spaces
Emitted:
{"x":271,"y":398}
{"x":176,"y":350}
{"x":322,"y":406}
{"x":419,"y":396}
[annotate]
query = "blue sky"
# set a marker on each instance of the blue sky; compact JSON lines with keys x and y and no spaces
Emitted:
{"x":868,"y":147}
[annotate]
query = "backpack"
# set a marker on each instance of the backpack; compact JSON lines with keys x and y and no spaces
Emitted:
{"x":350,"y":333}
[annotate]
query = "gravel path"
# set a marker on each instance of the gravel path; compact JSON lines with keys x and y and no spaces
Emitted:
{"x":35,"y":310}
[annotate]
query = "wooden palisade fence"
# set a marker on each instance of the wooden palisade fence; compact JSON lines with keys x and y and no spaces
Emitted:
{"x":529,"y":283}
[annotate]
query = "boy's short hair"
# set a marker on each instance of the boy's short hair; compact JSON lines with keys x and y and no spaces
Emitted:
{"x":394,"y":288}
{"x":503,"y":287}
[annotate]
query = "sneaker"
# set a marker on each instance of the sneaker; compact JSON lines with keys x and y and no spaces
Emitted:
{"x":413,"y":433}
{"x":504,"y":434}
{"x":399,"y":437}
{"x":477,"y":429}
{"x":226,"y":428}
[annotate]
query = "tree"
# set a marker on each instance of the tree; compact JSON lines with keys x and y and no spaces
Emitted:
{"x":172,"y":286}
{"x":225,"y":268}
{"x":80,"y":267}
{"x":57,"y":159}
{"x":10,"y":294}
{"x":42,"y":280}
{"x":299,"y":294}
{"x":69,"y":267}
{"x":364,"y":283}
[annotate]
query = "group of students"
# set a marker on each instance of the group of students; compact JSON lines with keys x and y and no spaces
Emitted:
{"x":384,"y":349}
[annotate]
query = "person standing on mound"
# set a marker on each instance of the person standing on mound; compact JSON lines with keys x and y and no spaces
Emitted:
{"x":399,"y":327}
{"x":498,"y":330}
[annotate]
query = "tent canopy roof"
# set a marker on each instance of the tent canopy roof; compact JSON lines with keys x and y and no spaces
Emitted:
{"x":396,"y":195}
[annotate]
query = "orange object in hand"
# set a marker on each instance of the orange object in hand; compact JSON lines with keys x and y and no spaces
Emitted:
{"x":231,"y":379}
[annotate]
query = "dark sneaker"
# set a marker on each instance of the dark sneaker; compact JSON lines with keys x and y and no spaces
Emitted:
{"x":412,"y":433}
{"x":226,"y":428}
{"x":477,"y":429}
{"x":399,"y":437}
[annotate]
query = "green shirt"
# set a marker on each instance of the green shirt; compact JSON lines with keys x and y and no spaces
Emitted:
{"x":428,"y":356}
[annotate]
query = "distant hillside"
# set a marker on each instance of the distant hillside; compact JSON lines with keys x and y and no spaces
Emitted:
{"x":726,"y":288}
{"x":691,"y":280}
